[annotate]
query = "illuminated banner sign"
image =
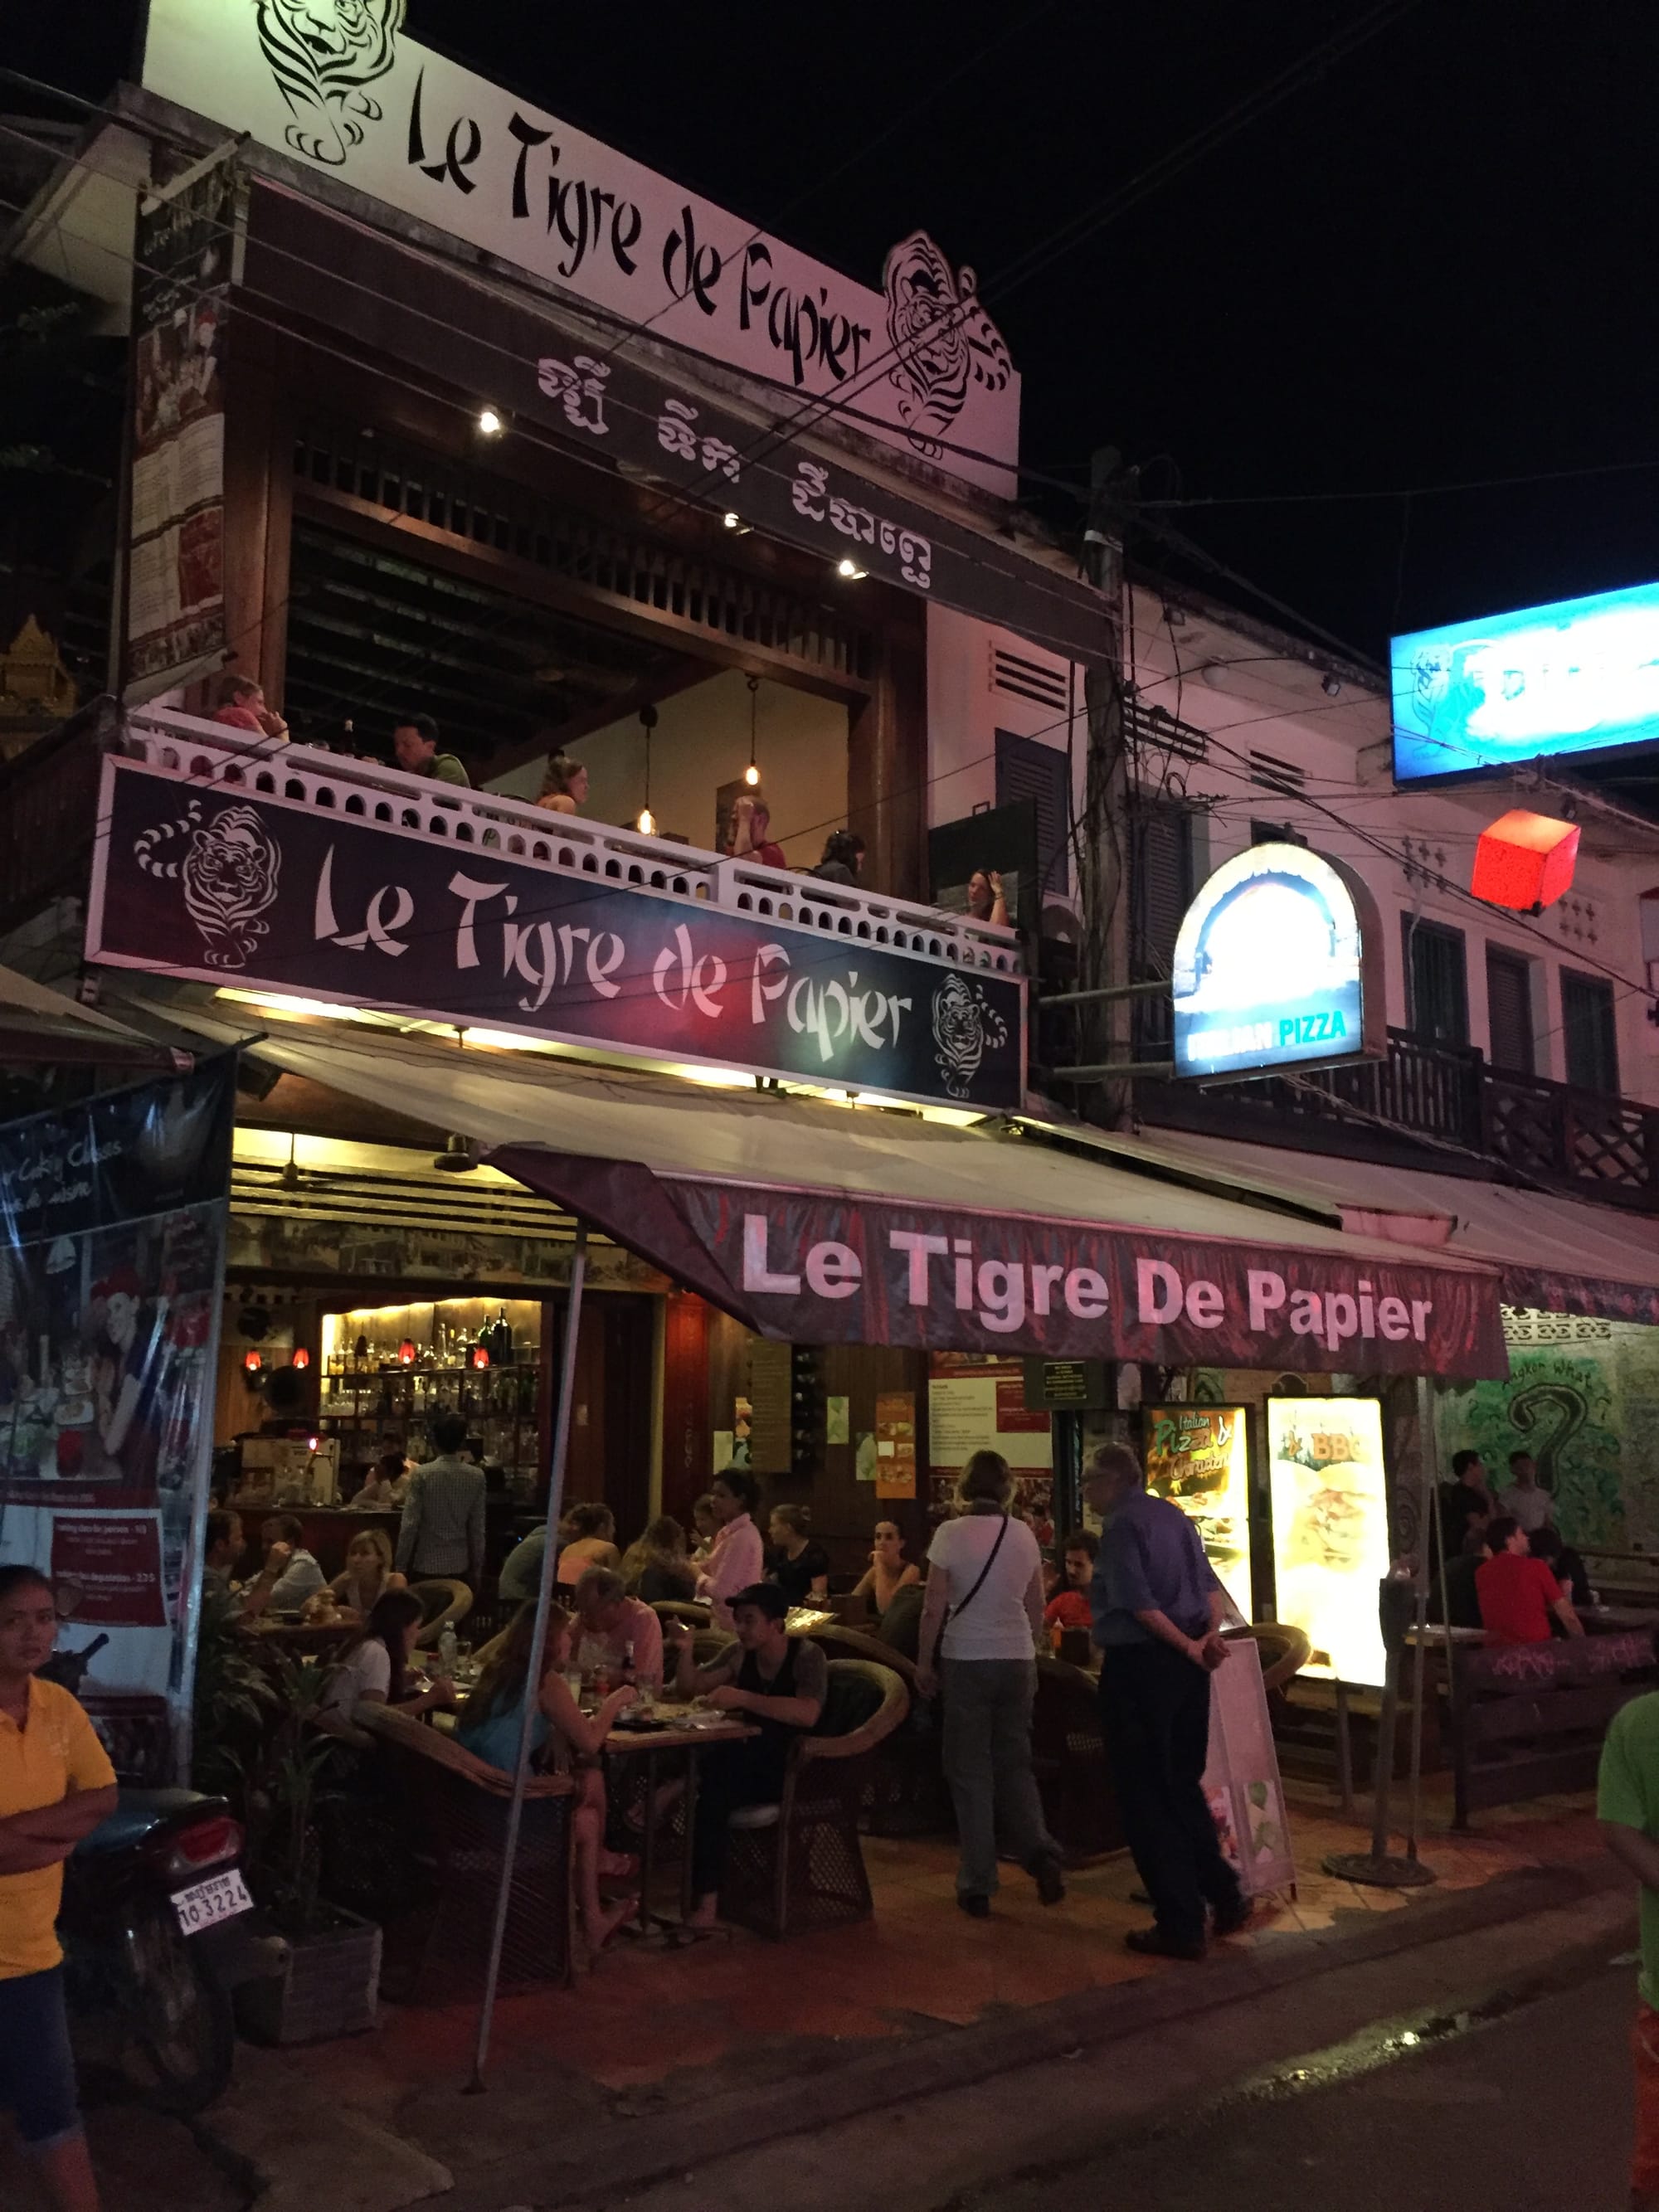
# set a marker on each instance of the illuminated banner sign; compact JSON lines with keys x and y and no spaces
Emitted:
{"x":1330,"y":1509}
{"x":1199,"y":1458}
{"x":205,"y":880}
{"x":1278,"y":964}
{"x":1579,"y":676}
{"x":813,"y":1267}
{"x":345,"y":93}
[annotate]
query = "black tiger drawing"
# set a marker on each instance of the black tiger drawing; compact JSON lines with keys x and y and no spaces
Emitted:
{"x":942,"y":337}
{"x":324,"y":54}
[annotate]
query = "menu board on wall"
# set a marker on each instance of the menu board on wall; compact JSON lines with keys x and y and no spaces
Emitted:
{"x":1197,"y":1456}
{"x":896,"y":1445}
{"x":976,"y":1402}
{"x":1330,"y":1521}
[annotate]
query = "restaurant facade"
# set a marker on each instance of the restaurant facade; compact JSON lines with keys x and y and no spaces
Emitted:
{"x":441,"y":408}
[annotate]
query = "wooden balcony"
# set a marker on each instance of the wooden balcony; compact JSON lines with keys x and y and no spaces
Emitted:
{"x":1436,"y":1107}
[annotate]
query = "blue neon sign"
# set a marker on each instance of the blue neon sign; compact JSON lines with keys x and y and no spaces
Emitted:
{"x":1580,"y":676}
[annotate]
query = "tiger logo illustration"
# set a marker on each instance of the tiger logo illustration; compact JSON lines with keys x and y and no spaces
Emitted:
{"x":228,"y":869}
{"x":324,"y":54}
{"x":942,"y":338}
{"x":965,"y":1024}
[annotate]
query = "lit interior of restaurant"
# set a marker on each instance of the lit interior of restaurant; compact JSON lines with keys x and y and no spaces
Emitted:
{"x":376,"y":634}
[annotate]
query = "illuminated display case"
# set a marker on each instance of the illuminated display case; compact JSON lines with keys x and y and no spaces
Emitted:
{"x":1330,"y":1522}
{"x":389,"y":1370}
{"x":1197,"y":1456}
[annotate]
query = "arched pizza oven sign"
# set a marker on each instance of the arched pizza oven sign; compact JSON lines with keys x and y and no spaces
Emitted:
{"x":1278,"y":964}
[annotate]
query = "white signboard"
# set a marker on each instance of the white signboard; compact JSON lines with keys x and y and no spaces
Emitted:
{"x":345,"y":93}
{"x":1330,"y":1509}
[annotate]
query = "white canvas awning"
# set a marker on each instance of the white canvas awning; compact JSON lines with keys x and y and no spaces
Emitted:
{"x":682,"y":1172}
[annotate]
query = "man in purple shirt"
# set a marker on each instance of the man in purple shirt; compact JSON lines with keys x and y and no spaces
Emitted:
{"x":1157,"y":1609}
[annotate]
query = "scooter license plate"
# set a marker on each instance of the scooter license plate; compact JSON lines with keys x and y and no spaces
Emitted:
{"x":221,"y":1897}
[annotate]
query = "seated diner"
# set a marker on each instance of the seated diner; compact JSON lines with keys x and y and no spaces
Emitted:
{"x":656,"y":1570}
{"x":614,"y":1632}
{"x":589,"y":1532}
{"x":289,"y":1575}
{"x":368,"y":1575}
{"x":1520,"y":1598}
{"x":376,"y":1670}
{"x":799,"y":1567}
{"x":889,"y":1571}
{"x":775,"y":1682}
{"x":561,"y":1734}
{"x":1068,"y":1607}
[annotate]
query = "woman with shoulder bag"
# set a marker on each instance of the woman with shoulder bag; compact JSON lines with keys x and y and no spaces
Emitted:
{"x":982,"y":1619}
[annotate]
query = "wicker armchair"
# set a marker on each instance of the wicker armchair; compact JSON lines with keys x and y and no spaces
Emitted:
{"x":673,"y":1608}
{"x":798,"y":1865}
{"x":904,"y":1792}
{"x":1285,"y":1650}
{"x":1068,"y":1751}
{"x":443,"y":1602}
{"x":456,"y":1809}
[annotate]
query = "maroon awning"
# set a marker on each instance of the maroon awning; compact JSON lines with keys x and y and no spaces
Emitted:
{"x":826,"y":1267}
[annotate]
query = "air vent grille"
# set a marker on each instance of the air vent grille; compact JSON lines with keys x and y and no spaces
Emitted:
{"x":1026,"y":676}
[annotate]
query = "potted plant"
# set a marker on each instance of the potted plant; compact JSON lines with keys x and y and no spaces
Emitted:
{"x":262,"y":1746}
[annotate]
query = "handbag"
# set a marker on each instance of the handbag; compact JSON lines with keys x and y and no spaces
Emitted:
{"x":955,"y":1611}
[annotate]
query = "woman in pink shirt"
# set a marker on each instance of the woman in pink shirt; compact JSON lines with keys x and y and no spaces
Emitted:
{"x":737,"y":1559}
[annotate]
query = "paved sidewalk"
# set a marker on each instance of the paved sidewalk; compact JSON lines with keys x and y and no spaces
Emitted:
{"x":657,"y":2052}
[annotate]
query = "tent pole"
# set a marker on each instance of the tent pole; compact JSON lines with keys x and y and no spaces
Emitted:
{"x":537,"y":1646}
{"x":1428,"y":1523}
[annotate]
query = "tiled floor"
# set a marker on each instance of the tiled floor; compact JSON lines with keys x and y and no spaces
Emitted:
{"x":662,"y":2025}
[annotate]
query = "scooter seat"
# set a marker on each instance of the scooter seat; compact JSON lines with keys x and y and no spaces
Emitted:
{"x":139,"y":1813}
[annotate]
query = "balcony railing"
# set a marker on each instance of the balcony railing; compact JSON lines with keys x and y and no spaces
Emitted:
{"x":1433,"y":1105}
{"x":48,"y":804}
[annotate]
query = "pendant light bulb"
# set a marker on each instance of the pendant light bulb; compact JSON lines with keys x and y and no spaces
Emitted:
{"x":752,"y":773}
{"x":647,"y":822}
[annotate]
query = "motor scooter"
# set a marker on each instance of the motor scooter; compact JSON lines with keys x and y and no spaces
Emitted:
{"x":158,"y":1927}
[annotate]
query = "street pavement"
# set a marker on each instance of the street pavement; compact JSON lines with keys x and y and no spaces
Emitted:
{"x":1530,"y":2113}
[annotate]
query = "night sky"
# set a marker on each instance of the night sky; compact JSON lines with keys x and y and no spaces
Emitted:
{"x":1437,"y":263}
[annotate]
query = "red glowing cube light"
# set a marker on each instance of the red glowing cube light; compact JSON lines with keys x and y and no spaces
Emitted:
{"x":1525,"y":861}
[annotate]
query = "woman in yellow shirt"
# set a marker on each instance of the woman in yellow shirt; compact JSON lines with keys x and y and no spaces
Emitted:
{"x":56,"y":1785}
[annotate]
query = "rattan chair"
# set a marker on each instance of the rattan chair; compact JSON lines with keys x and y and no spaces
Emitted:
{"x":674,"y":1608}
{"x":798,"y":1865}
{"x":1285,"y":1650}
{"x":904,"y":1792}
{"x":444,"y":1601}
{"x":456,"y":1809}
{"x":1068,"y":1751}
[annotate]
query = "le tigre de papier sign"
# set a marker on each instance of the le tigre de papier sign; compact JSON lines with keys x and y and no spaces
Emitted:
{"x":829,"y":1270}
{"x":348,"y":95}
{"x":192,"y":879}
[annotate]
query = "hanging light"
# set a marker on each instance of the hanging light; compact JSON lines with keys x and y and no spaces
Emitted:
{"x":406,"y":1353}
{"x":481,"y":1355}
{"x":254,"y":1362}
{"x":646,"y":822}
{"x":302,"y":1358}
{"x":490,"y":424}
{"x":752,"y":773}
{"x":1525,"y":861}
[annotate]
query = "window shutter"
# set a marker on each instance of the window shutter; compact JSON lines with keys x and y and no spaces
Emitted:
{"x":1509,"y":1010}
{"x":1028,"y":769}
{"x":1590,"y":1033}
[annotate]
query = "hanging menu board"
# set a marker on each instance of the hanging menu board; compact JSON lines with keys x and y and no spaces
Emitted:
{"x":1198,"y":1457}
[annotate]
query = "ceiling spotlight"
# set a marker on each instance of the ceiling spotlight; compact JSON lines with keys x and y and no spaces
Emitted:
{"x":1330,"y":687}
{"x":848,"y":567}
{"x":490,"y":424}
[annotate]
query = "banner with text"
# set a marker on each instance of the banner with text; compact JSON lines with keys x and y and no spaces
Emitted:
{"x":111,"y":1260}
{"x":347,"y":95}
{"x":187,"y":251}
{"x":831,"y":1270}
{"x":240,"y":888}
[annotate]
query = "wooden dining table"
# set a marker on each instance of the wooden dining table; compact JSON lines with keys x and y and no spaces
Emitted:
{"x":636,"y":1747}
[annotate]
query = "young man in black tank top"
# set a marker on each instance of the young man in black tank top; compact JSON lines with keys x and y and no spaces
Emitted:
{"x":778,"y":1685}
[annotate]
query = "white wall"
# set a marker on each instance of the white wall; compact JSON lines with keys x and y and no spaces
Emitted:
{"x":1255,"y":699}
{"x":700,"y":742}
{"x":970,"y":697}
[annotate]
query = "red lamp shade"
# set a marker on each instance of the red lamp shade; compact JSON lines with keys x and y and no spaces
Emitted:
{"x":254,"y":1361}
{"x":301,"y":1356}
{"x":480,"y":1356}
{"x":406,"y":1352}
{"x":1525,"y":861}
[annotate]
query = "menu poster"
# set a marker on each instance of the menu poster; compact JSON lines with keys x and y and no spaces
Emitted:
{"x":1241,"y":1775}
{"x":976,"y":1402}
{"x":1330,"y":1522}
{"x":896,"y":1443}
{"x":112,"y":1254}
{"x":1197,"y":1456}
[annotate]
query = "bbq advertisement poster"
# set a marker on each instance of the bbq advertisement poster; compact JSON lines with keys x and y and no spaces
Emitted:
{"x":112,"y":1216}
{"x":1330,"y":1522}
{"x":1199,"y":1458}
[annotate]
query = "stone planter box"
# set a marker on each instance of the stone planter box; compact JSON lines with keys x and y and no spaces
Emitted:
{"x":329,"y":1986}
